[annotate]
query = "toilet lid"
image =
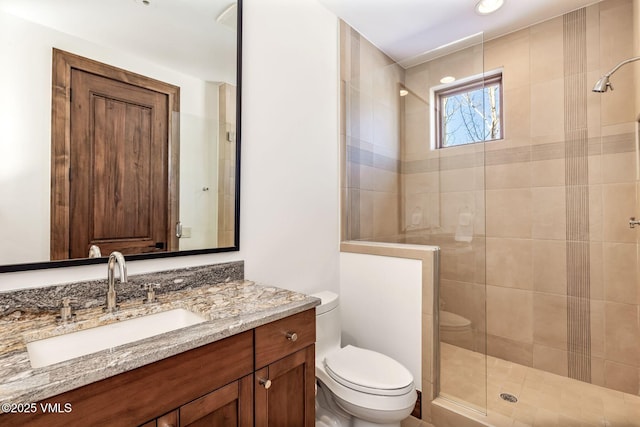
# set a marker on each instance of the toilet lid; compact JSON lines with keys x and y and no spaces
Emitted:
{"x":368,"y":371}
{"x":453,"y":320}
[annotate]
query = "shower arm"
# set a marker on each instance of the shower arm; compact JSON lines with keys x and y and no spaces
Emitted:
{"x":626,"y":61}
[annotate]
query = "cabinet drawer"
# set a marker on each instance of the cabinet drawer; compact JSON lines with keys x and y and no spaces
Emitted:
{"x":282,"y":337}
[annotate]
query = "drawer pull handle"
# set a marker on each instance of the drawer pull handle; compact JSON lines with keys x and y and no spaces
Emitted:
{"x":266,"y":383}
{"x":292,"y":336}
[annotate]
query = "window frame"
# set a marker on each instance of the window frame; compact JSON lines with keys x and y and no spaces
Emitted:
{"x":467,"y":84}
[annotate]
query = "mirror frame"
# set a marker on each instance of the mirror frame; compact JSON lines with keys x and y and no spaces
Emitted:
{"x":8,"y":268}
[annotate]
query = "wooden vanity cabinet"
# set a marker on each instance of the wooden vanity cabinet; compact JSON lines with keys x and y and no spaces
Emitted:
{"x":229,"y":406}
{"x":137,"y":396}
{"x":218,"y":384}
{"x":285,"y":377}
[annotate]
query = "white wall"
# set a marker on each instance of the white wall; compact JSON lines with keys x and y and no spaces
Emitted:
{"x":381,"y":307}
{"x":290,"y":144}
{"x":290,"y":192}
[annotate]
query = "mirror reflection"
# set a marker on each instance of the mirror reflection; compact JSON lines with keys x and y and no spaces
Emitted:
{"x":92,"y":155}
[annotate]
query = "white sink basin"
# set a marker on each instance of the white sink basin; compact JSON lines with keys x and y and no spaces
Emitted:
{"x":69,"y":346}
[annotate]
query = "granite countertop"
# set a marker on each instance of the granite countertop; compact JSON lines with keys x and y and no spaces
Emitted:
{"x":229,"y":308}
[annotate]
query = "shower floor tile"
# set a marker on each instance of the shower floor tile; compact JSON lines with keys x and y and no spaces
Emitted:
{"x":544,"y":399}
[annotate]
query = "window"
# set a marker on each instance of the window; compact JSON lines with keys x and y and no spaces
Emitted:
{"x":469,"y":111}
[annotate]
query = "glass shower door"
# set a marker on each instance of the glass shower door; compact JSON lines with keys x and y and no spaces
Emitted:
{"x":444,"y":204}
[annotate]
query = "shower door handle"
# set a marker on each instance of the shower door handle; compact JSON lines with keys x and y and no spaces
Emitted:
{"x":633,"y":222}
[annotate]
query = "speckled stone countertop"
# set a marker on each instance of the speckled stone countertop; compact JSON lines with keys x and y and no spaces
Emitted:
{"x":229,"y":308}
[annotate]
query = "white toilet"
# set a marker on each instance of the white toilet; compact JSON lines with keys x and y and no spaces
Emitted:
{"x":356,"y":387}
{"x":456,"y":330}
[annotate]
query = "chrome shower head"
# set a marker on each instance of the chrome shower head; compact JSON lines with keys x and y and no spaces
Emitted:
{"x":602,"y":85}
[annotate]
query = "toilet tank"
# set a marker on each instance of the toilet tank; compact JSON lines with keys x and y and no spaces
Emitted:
{"x":328,"y":328}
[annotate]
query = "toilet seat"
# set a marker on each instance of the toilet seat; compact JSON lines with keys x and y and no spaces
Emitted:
{"x":452,"y":321}
{"x":368,"y":372}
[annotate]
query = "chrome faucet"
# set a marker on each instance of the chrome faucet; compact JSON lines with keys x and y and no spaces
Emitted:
{"x":94,"y":251}
{"x":114,"y":258}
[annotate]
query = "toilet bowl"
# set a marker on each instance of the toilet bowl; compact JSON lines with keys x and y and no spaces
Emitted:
{"x":456,"y":330}
{"x":356,"y":387}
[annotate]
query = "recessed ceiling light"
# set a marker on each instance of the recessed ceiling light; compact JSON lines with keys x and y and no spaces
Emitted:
{"x":485,"y":7}
{"x":447,"y":79}
{"x":404,"y":92}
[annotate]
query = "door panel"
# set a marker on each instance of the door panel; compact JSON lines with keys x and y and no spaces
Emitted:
{"x":229,"y":406}
{"x":288,"y":400}
{"x":118,"y":178}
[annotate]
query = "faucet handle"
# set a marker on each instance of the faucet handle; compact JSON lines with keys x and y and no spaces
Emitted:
{"x":66,"y":314}
{"x":151,"y":292}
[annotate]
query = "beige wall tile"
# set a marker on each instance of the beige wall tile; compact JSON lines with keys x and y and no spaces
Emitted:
{"x":616,"y":22}
{"x":422,"y":182}
{"x":463,"y":179}
{"x":618,"y":128}
{"x":511,"y":175}
{"x":619,"y":167}
{"x":550,"y":359}
{"x":549,"y":327}
{"x":510,"y":313}
{"x":620,"y":265}
{"x":507,"y":349}
{"x":619,"y":107}
{"x":597,"y":329}
{"x":593,"y":38}
{"x":457,"y":264}
{"x":360,"y":107}
{"x":344,"y":230}
{"x":386,"y":83}
{"x":547,"y":50}
{"x":594,"y":105}
{"x":547,"y":108}
{"x":417,"y":135}
{"x":621,"y":377}
{"x":428,"y":365}
{"x":367,"y":65}
{"x":596,"y":232}
{"x":386,"y":126}
{"x":597,"y":371}
{"x":547,"y":173}
{"x":386,"y":218}
{"x":550,"y":266}
{"x":517,"y":112}
{"x":384,"y":181}
{"x":463,"y":63}
{"x":466,"y":300}
{"x":618,"y":205}
{"x":510,"y":52}
{"x":596,"y":268}
{"x":366,"y":179}
{"x":366,"y":217}
{"x":509,"y":263}
{"x":453,"y":204}
{"x":509,"y":213}
{"x":622,"y":334}
{"x":549,"y":213}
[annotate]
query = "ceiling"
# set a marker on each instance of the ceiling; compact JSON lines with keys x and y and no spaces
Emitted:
{"x":406,"y":29}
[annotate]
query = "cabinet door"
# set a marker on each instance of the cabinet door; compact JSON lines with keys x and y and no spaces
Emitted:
{"x":229,"y":406}
{"x":167,"y":420}
{"x":285,"y":391}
